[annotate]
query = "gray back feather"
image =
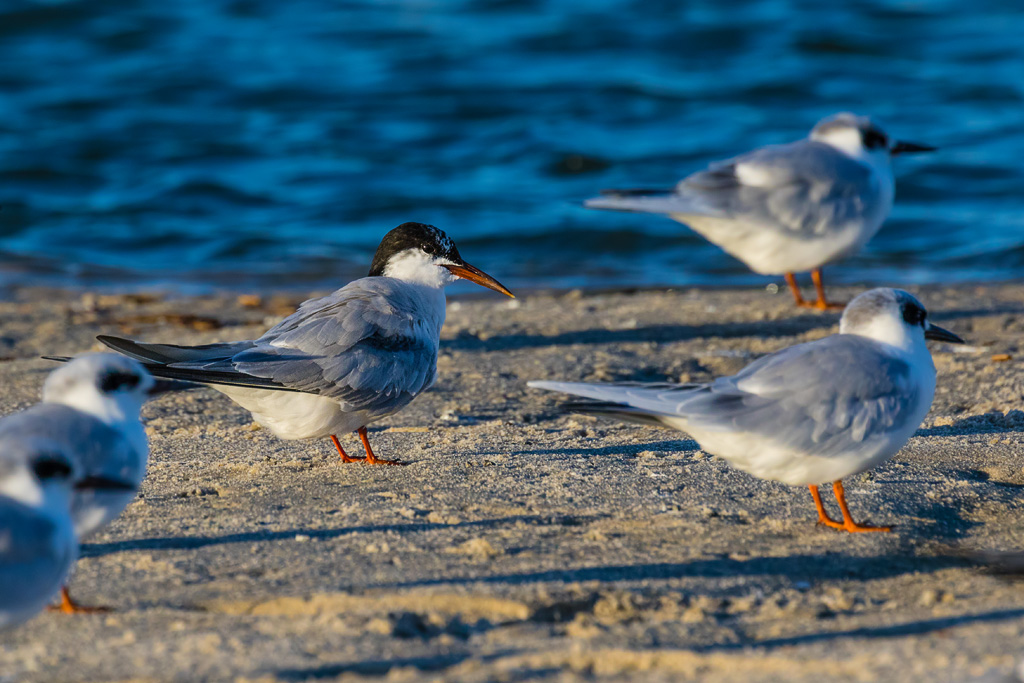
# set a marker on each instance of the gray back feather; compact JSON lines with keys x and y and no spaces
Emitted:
{"x":814,"y":187}
{"x":365,"y":345}
{"x":99,"y":450}
{"x":816,"y":397}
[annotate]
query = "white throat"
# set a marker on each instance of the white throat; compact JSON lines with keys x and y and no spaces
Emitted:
{"x":111,"y":410}
{"x":121,"y":411}
{"x":23,"y":487}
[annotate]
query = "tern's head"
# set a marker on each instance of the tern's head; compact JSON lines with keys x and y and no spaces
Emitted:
{"x":420,"y":253}
{"x":109,"y":386}
{"x":861,"y":138}
{"x":36,"y":471}
{"x":894,"y":317}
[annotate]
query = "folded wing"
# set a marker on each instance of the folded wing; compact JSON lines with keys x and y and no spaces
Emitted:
{"x":820,"y":396}
{"x":803,"y":187}
{"x":363,"y":345}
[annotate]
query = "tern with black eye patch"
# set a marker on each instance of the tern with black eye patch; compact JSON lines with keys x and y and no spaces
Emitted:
{"x":90,"y":410}
{"x":37,"y":537}
{"x":789,"y":208}
{"x":810,"y":413}
{"x":341,"y":362}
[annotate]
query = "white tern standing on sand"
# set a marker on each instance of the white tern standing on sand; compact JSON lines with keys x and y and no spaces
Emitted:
{"x":810,"y":413}
{"x":91,"y":408}
{"x":789,"y":208}
{"x":343,"y":361}
{"x":37,"y":537}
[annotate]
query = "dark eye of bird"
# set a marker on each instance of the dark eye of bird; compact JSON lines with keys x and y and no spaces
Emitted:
{"x":51,"y":468}
{"x":875,"y":139}
{"x":914,"y":314}
{"x":112,"y":381}
{"x":429,"y":248}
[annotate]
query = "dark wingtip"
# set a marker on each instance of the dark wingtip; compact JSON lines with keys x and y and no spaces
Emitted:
{"x":58,"y":359}
{"x":634,"y":192}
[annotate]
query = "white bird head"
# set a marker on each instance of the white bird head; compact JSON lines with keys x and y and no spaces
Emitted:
{"x":108,"y":386}
{"x":861,"y":138}
{"x":37,"y":472}
{"x":894,"y":317}
{"x":423,"y":254}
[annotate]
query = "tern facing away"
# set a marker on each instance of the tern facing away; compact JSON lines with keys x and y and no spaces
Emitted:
{"x":819,"y":411}
{"x":790,"y":208}
{"x":91,"y":410}
{"x":340,"y":362}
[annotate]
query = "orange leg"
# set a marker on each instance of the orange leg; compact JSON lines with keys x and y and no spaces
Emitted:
{"x":69,"y":606}
{"x":822,"y":304}
{"x":848,"y":523}
{"x":344,"y":456}
{"x":823,"y":517}
{"x":798,"y":298}
{"x":371,"y":459}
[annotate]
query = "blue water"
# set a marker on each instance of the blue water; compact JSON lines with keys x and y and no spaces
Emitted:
{"x":270,"y":143}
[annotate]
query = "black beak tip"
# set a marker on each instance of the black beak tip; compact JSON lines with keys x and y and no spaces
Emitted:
{"x":936,"y":333}
{"x":104,"y":484}
{"x":903,"y":147}
{"x":164,"y":386}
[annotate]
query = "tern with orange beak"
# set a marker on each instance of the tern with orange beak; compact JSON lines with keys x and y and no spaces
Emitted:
{"x":340,"y":362}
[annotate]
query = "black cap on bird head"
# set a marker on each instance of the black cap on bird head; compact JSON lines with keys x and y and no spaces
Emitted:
{"x":437,"y":247}
{"x":427,"y":238}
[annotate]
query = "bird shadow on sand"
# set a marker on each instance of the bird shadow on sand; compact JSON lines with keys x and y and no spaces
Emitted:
{"x":789,"y":327}
{"x":800,"y":567}
{"x":912,"y":628}
{"x":999,"y":308}
{"x":673,"y":446}
{"x":989,"y":423}
{"x":437,"y":664}
{"x":193,"y":542}
{"x":382,"y":667}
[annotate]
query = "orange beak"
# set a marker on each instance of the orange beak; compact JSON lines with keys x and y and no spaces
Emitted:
{"x":474,"y":274}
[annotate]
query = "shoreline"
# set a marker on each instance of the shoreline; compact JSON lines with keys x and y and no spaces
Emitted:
{"x":186,"y":290}
{"x":524,"y":543}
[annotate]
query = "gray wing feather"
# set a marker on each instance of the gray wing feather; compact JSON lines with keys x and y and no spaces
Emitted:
{"x":99,"y":449}
{"x":809,"y":186}
{"x":815,"y":396}
{"x":667,"y":203}
{"x":172,"y":353}
{"x":806,"y":188}
{"x":357,"y":345}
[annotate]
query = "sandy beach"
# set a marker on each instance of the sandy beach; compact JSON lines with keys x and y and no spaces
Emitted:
{"x":524,"y":544}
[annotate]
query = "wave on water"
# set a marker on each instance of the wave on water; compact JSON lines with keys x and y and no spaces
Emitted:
{"x":258,"y":144}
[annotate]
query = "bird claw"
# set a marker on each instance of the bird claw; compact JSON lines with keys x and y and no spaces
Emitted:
{"x":850,"y":526}
{"x":381,"y":461}
{"x":69,"y":606}
{"x":821,"y":305}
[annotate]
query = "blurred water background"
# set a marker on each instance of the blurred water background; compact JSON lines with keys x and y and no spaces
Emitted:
{"x":243,"y":144}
